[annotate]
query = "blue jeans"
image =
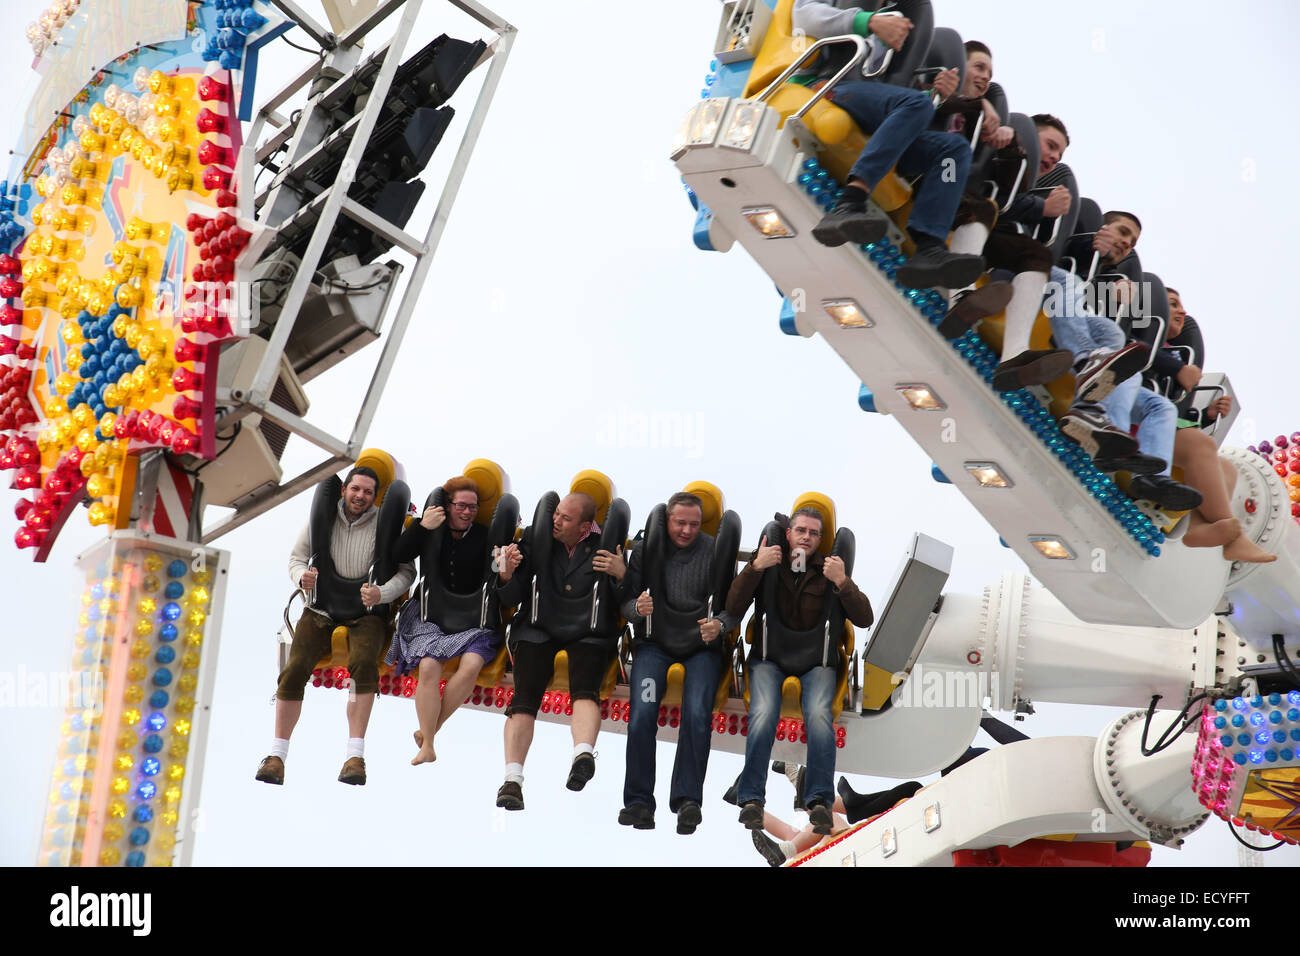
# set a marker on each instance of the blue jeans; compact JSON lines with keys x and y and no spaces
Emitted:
{"x":1156,"y":417}
{"x":648,"y":683}
{"x":1074,"y":326}
{"x":896,"y":119}
{"x":765,"y":680}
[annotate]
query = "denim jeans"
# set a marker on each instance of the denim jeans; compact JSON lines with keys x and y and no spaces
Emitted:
{"x":648,"y":683}
{"x":1155,"y":415}
{"x":765,"y":680}
{"x":896,"y":119}
{"x":1074,"y":327}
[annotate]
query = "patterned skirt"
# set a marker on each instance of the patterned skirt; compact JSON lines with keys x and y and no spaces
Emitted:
{"x":416,"y":639}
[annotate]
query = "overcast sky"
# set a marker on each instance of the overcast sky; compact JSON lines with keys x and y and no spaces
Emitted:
{"x":567,"y":296}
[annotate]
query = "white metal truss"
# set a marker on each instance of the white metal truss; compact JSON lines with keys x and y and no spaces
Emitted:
{"x":301,"y":135}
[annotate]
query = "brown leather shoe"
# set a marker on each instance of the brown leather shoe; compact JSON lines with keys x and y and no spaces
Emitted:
{"x":270,"y":770}
{"x":354,"y":771}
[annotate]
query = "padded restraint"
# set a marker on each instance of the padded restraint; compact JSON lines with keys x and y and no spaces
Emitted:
{"x":945,"y":52}
{"x":454,"y":612}
{"x":337,"y":596}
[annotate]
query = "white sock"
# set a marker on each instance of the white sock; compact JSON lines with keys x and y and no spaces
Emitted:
{"x":969,"y":239}
{"x":280,"y":747}
{"x":787,"y":848}
{"x":1026,"y":300}
{"x":515,"y":773}
{"x":581,"y":749}
{"x":356,"y":747}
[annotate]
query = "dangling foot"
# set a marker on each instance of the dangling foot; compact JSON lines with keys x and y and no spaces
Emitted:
{"x":1212,"y":534}
{"x":426,"y":755}
{"x":1241,"y":548}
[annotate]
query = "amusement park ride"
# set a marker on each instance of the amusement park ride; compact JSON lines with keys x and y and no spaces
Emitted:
{"x":181,"y":253}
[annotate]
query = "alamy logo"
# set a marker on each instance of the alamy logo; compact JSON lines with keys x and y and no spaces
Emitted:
{"x":132,"y":910}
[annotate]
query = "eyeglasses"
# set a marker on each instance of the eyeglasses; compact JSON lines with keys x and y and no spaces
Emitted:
{"x":462,"y":506}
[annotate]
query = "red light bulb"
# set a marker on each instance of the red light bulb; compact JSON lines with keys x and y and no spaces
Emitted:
{"x":187,"y":350}
{"x":26,"y":479}
{"x":211,"y":88}
{"x":184,"y":441}
{"x":9,"y":265}
{"x":10,"y":316}
{"x":211,"y":154}
{"x":27,"y":538}
{"x":10,"y":288}
{"x":184,"y":380}
{"x":209,"y":122}
{"x":214,"y":178}
{"x":226,"y":198}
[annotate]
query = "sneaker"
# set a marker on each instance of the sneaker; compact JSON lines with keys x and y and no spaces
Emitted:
{"x":937,"y":266}
{"x":353,"y":772}
{"x":1102,"y":371}
{"x":688,"y":818}
{"x":271,"y":770}
{"x":1164,"y":492}
{"x":1135,"y":464}
{"x":821,"y":818}
{"x":768,"y":848}
{"x":971,"y":306}
{"x":510,"y":796}
{"x":638,"y":816}
{"x":1087,"y":426}
{"x":751,"y":815}
{"x":583,"y":769}
{"x":851,"y":222}
{"x":1034,"y":367}
{"x":797,"y":783}
{"x":731,"y":795}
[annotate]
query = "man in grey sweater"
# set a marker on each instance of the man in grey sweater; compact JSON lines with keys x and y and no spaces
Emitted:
{"x":352,"y":551}
{"x":683,"y":630}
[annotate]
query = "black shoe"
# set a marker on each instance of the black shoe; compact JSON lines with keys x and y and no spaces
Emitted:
{"x":638,"y":816}
{"x":730,"y":796}
{"x":778,"y":766}
{"x":1034,"y":367}
{"x":583,"y":769}
{"x":510,"y":796}
{"x":769,"y":848}
{"x":1135,"y":464}
{"x":862,"y":806}
{"x":1087,"y":425}
{"x":851,"y":222}
{"x":1164,"y":492}
{"x":936,"y":266}
{"x":972,"y":306}
{"x":1102,"y":371}
{"x":821,"y":818}
{"x":688,"y":818}
{"x":751,"y":815}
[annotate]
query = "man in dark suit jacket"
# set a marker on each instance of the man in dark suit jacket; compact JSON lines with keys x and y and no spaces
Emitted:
{"x":572,"y":575}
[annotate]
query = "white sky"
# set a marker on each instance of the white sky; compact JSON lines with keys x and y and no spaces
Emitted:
{"x":567,"y":289}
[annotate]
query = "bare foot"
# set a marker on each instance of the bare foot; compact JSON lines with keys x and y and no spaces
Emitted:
{"x":1241,"y":548}
{"x":426,"y":755}
{"x":1212,"y":534}
{"x":419,"y":738}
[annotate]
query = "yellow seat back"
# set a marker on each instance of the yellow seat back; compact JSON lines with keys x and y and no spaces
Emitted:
{"x":599,"y":486}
